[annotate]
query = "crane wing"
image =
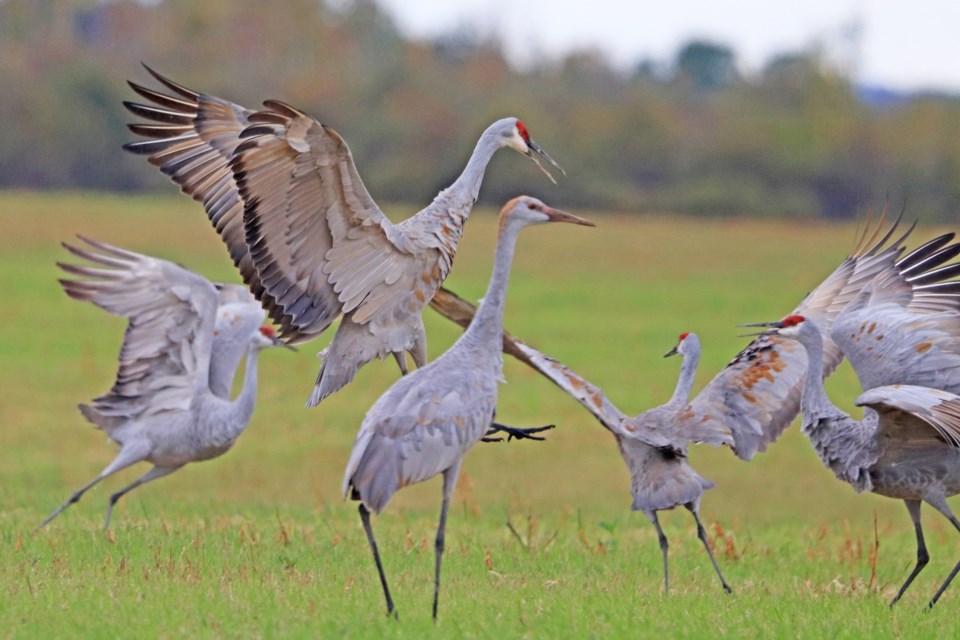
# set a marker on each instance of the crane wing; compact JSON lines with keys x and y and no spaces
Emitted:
{"x":191,"y":137}
{"x":757,"y":395}
{"x":886,"y":344}
{"x":938,"y":409}
{"x":319,"y":241}
{"x":165,"y":357}
{"x":455,"y":308}
{"x":905,"y":327}
{"x":416,"y":430}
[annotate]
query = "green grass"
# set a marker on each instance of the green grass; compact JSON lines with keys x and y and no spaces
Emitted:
{"x":259,"y":543}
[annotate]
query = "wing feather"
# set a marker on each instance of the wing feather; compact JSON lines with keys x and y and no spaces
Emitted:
{"x":165,"y":357}
{"x":313,"y":230}
{"x":936,"y":408}
{"x":191,"y":137}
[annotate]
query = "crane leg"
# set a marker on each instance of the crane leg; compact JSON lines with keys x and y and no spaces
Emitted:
{"x":913,"y":506}
{"x":702,"y":534}
{"x":664,"y":546}
{"x":449,"y":482}
{"x":365,"y":518}
{"x":940,"y":504}
{"x":153,"y":474}
{"x":124,"y":459}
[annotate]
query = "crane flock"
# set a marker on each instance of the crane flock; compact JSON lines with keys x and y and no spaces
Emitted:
{"x":312,"y":247}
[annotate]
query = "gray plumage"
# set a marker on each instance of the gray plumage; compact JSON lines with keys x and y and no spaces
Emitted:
{"x":171,"y":402}
{"x":902,"y":337}
{"x":285,"y":196}
{"x":746,"y":406}
{"x":428,"y":420}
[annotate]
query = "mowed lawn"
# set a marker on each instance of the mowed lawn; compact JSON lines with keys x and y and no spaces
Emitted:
{"x":259,"y":543}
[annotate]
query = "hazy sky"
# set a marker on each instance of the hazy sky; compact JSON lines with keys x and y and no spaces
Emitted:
{"x":902,"y":44}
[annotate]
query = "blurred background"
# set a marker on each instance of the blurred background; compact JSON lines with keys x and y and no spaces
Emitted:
{"x":702,"y":108}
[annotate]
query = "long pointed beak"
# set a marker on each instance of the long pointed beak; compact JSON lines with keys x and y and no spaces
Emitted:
{"x":277,"y":342}
{"x":555,"y":215}
{"x":672,"y":352}
{"x":772,"y":327}
{"x":533,"y":147}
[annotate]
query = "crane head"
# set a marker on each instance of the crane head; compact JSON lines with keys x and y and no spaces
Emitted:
{"x":677,"y":348}
{"x":517,"y":137}
{"x":529,"y":210}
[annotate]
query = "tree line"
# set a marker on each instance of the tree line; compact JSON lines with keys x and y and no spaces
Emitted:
{"x":692,"y":134}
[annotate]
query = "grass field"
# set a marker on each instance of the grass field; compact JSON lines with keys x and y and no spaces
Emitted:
{"x":258,"y":543}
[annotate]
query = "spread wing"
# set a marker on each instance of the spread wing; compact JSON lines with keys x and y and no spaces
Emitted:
{"x":451,"y":306}
{"x":757,"y":395}
{"x":905,"y":327}
{"x":165,"y":356}
{"x":191,"y":137}
{"x":317,"y":238}
{"x":938,"y":409}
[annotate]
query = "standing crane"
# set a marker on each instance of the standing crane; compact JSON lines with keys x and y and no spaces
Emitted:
{"x":171,"y":403}
{"x":902,"y":337}
{"x":427,"y":421}
{"x":746,"y":406}
{"x":284,"y":194}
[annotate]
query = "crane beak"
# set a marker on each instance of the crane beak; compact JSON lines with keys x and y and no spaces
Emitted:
{"x":773,"y":326}
{"x":672,"y":352}
{"x":555,"y":215}
{"x":532,"y":148}
{"x":277,"y":342}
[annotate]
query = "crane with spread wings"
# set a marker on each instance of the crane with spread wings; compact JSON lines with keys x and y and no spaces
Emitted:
{"x":283,"y":193}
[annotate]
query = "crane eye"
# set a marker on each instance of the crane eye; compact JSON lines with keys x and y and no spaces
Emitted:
{"x":531,"y":206}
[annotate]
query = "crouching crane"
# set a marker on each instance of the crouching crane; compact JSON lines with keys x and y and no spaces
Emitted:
{"x":171,"y":403}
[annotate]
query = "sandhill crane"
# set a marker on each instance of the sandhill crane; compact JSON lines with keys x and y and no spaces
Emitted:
{"x":283,"y":193}
{"x":171,"y":402}
{"x":428,"y":420}
{"x":746,"y":406}
{"x":903,"y":341}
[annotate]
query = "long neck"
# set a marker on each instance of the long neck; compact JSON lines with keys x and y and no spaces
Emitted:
{"x":241,"y":409}
{"x":687,"y":373}
{"x":224,"y":362}
{"x":814,"y":403}
{"x":486,"y":329}
{"x":466,"y":188}
{"x":844,"y":445}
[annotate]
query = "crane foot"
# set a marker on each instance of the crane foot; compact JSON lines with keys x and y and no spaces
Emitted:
{"x":514,"y":432}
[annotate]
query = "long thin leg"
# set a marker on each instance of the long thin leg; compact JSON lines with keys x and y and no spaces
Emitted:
{"x":664,"y":546}
{"x":365,"y":518}
{"x":124,"y":459}
{"x":940,"y":505}
{"x":449,"y":482}
{"x":913,"y":507}
{"x":153,"y":474}
{"x":702,"y":534}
